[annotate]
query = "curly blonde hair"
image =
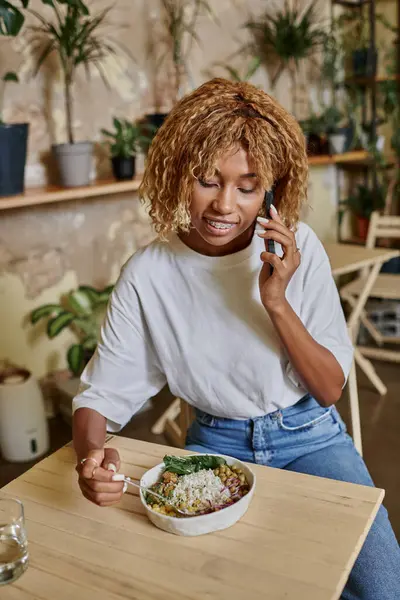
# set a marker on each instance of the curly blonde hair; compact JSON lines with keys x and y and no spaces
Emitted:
{"x":205,"y":125}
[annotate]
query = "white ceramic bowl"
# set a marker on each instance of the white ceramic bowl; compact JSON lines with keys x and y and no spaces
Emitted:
{"x":202,"y":524}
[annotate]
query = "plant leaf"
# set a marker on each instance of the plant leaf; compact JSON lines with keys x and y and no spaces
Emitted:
{"x":45,"y":53}
{"x":253,"y":66}
{"x":103,"y":297}
{"x":80,"y":302}
{"x":90,"y":292}
{"x":11,"y":19}
{"x":56,"y":325}
{"x":46,"y":310}
{"x":10,"y":76}
{"x":183,"y":465}
{"x":75,"y":358}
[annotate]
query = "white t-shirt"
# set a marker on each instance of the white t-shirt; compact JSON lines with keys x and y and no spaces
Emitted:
{"x":197,"y":323}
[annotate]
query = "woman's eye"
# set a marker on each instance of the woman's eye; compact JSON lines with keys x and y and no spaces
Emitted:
{"x":207,"y":184}
{"x":245,"y":191}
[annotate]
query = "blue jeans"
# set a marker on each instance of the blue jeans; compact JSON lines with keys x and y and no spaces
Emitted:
{"x":307,"y":438}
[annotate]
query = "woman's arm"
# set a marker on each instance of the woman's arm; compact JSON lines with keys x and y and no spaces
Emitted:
{"x":96,"y":464}
{"x":89,"y":431}
{"x":120,"y":377}
{"x":316,"y":342}
{"x":318,"y":369}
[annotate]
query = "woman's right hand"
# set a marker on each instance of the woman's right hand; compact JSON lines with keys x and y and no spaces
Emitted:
{"x":95,"y":477}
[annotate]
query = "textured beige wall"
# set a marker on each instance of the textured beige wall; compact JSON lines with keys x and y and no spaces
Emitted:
{"x":46,"y":251}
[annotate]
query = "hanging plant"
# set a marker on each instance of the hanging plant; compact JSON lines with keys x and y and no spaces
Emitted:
{"x":289,"y":35}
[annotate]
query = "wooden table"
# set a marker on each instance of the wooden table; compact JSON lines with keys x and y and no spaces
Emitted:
{"x":298,"y":540}
{"x":350,"y":258}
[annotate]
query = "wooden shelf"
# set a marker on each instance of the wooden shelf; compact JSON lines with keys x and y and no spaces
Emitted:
{"x":52,"y":194}
{"x":357,"y":157}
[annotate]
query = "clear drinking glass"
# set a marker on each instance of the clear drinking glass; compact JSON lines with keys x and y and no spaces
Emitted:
{"x":13,"y":542}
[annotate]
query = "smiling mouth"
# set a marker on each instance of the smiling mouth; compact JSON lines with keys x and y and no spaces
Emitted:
{"x":220,"y":225}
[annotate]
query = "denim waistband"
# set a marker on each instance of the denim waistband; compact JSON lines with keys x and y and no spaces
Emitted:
{"x":304,"y":403}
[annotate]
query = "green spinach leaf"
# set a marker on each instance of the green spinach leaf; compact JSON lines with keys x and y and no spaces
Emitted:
{"x":183,"y":465}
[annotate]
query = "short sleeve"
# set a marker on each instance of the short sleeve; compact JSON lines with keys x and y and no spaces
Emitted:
{"x":321,"y":310}
{"x":124,"y":371}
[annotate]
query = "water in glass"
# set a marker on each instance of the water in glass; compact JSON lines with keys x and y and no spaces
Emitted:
{"x":13,"y":542}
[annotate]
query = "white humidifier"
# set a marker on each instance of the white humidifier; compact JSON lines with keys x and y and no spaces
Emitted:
{"x":23,"y":425}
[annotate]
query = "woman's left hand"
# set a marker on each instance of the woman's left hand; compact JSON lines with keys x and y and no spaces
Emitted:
{"x":273,"y":287}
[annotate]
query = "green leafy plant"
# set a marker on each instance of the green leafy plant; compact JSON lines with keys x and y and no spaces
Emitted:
{"x":179,"y":19}
{"x":354,"y":28}
{"x":76,"y":37}
{"x":326,"y":122}
{"x":11,"y":17}
{"x":81,"y":310}
{"x":290,"y":35}
{"x":127,"y":138}
{"x":246,"y":74}
{"x":364,"y":201}
{"x":11,"y":21}
{"x":312,"y":125}
{"x":183,"y":465}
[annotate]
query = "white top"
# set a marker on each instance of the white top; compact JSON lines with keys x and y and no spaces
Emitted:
{"x":197,"y":323}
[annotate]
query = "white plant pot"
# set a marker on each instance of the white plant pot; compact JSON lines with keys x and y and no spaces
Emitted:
{"x":337,"y":142}
{"x":380,"y":141}
{"x":74,"y":163}
{"x":23,"y":425}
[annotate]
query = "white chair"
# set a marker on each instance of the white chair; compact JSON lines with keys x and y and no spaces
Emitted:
{"x":386,"y":287}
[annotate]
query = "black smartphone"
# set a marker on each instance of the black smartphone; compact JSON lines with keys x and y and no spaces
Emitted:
{"x":268,"y":200}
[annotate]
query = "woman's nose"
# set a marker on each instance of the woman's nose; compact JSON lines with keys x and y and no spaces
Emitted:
{"x":225,"y":201}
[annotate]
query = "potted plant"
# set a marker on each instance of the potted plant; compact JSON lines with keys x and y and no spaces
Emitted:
{"x":289,"y":35}
{"x":339,"y":132}
{"x":177,"y":32}
{"x":356,"y":39}
{"x":361,"y":204}
{"x":314,"y":132}
{"x":13,"y":136}
{"x":75,"y":36}
{"x":81,"y":310}
{"x":124,"y":144}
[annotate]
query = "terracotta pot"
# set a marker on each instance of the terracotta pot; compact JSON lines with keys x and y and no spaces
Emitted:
{"x":362,"y":227}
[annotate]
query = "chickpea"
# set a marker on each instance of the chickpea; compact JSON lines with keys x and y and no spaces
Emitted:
{"x":242,"y":478}
{"x":232,"y":489}
{"x":222,"y":469}
{"x":216,"y":472}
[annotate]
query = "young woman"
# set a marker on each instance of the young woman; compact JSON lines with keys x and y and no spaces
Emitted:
{"x":262,"y":356}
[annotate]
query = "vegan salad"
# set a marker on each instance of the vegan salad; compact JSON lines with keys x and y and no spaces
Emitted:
{"x":197,"y":484}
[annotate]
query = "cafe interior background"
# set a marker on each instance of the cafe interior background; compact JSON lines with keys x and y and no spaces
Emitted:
{"x":66,"y":230}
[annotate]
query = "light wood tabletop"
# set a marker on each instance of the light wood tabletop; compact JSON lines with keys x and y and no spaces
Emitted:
{"x":347,"y":258}
{"x":298,"y":540}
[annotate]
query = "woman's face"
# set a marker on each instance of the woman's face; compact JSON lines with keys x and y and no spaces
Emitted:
{"x":224,"y":208}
